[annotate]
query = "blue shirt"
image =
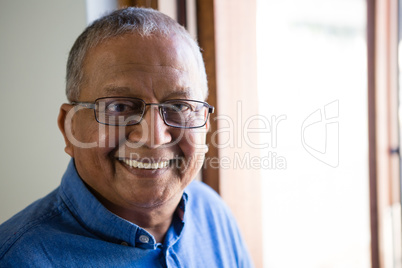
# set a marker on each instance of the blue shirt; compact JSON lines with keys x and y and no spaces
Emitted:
{"x":70,"y":227}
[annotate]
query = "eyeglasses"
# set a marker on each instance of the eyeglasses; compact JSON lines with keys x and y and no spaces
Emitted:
{"x":124,"y":111}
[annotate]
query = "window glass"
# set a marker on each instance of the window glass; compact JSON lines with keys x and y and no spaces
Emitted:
{"x":312,"y":73}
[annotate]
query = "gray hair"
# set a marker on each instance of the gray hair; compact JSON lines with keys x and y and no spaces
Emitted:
{"x":142,"y":21}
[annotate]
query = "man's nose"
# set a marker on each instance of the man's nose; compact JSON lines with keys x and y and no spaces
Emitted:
{"x":152,"y":131}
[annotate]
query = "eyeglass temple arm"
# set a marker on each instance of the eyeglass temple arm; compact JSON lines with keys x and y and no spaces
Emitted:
{"x":85,"y":104}
{"x":211,"y":109}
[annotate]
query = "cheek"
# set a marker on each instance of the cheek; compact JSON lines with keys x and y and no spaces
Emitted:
{"x":93,"y":135}
{"x":109,"y":137}
{"x":93,"y":153}
{"x":85,"y":128}
{"x":193,"y":145}
{"x":94,"y":142}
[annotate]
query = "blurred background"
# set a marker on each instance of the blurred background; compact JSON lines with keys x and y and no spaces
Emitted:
{"x":35,"y":40}
{"x":307,"y":104}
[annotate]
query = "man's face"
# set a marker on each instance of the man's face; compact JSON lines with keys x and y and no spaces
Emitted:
{"x":154,"y":69}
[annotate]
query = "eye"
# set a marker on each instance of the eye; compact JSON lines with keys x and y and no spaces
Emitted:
{"x":118,"y":107}
{"x":123,"y":107}
{"x":180,"y":107}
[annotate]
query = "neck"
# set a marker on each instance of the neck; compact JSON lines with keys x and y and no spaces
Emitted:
{"x":156,"y":220}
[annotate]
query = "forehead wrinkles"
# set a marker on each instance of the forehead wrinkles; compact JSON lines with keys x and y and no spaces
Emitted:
{"x":131,"y":78}
{"x":118,"y":73}
{"x":148,"y":68}
{"x":156,"y":74}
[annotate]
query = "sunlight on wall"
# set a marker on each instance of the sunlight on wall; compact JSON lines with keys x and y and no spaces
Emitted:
{"x":312,"y":73}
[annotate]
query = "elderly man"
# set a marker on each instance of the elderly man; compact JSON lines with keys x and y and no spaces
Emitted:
{"x":135,"y":128}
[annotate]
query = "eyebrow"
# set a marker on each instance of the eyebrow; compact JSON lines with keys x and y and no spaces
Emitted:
{"x":185,"y":93}
{"x":119,"y":90}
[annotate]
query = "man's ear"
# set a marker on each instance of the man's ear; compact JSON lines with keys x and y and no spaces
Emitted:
{"x":65,"y":127}
{"x":207,"y":125}
{"x":208,"y":129}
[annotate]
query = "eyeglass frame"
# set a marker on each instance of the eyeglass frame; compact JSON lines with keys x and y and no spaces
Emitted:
{"x":92,"y":105}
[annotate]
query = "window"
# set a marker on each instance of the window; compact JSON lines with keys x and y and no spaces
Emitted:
{"x":312,"y":71}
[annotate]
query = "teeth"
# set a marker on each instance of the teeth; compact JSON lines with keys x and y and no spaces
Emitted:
{"x":136,"y":164}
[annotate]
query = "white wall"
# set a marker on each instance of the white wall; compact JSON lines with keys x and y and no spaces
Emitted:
{"x":97,"y":8}
{"x":35,"y":38}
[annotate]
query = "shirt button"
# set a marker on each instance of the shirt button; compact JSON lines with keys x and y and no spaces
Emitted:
{"x":124,"y":243}
{"x":144,"y":238}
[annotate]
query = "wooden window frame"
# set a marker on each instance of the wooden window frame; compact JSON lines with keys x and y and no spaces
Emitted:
{"x":384,"y":160}
{"x":229,"y":43}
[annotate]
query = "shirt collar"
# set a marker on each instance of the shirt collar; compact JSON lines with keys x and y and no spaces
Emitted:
{"x":103,"y":223}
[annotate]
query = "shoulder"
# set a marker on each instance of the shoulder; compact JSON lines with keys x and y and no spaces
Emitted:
{"x":201,"y":191}
{"x":29,"y":219}
{"x":211,"y":221}
{"x":204,"y":201}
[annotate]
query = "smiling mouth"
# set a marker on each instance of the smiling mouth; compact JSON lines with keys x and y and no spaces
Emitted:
{"x":141,"y":165}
